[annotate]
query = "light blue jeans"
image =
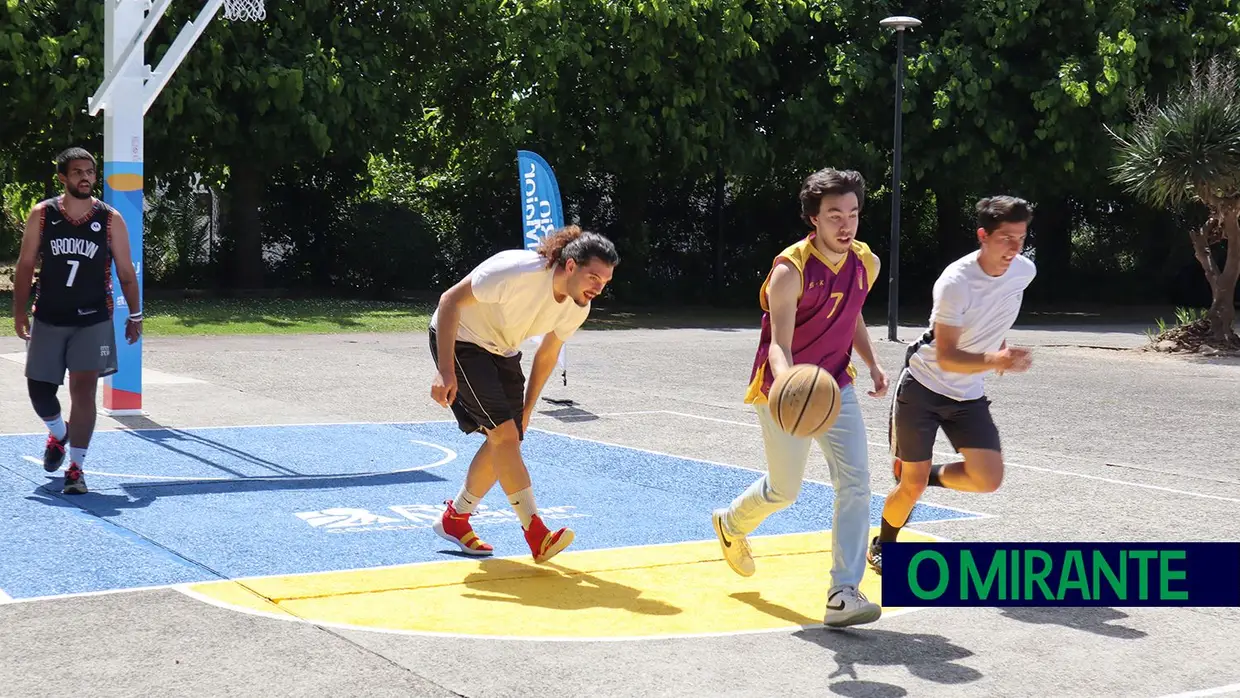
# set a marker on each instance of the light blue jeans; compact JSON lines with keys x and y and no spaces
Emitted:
{"x":847,"y":455}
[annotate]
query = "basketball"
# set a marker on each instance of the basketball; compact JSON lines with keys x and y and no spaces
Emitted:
{"x":805,"y":400}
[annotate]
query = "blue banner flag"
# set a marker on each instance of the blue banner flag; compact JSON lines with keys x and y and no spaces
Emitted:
{"x":541,"y":212}
{"x":1061,"y":574}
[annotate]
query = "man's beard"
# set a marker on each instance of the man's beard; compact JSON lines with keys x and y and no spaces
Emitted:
{"x":77,"y":193}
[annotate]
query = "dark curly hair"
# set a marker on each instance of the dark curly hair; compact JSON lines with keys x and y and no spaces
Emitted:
{"x":571,"y":242}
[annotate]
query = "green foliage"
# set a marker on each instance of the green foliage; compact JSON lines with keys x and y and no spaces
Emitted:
{"x":50,"y":54}
{"x":1188,"y":145}
{"x":317,"y":79}
{"x":328,"y":115}
{"x":16,"y":200}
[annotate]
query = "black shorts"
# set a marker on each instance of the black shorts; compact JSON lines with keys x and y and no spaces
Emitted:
{"x":917,"y":413}
{"x":490,"y":389}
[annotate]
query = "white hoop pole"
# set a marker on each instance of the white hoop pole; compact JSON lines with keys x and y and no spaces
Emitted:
{"x":125,"y":95}
{"x":122,"y":180}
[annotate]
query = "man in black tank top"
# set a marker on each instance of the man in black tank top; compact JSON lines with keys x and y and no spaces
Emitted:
{"x":74,"y":240}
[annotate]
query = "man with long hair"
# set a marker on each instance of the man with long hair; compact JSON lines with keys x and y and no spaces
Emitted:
{"x":475,"y":338}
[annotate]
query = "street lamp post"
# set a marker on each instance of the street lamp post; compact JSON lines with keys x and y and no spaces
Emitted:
{"x":899,"y":24}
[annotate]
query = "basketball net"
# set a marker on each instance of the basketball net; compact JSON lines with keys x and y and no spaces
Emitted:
{"x":245,"y":10}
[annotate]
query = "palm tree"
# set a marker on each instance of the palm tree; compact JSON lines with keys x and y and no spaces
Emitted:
{"x":1188,"y":149}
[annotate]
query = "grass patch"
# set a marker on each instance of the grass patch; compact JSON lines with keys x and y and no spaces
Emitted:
{"x":233,"y":316}
{"x":172,"y":317}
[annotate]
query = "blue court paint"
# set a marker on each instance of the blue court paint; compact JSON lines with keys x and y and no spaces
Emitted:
{"x":203,"y":504}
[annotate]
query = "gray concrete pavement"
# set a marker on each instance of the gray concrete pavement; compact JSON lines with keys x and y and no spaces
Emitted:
{"x":1104,"y":444}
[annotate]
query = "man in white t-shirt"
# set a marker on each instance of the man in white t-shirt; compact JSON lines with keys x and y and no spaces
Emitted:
{"x":475,"y":337}
{"x":976,"y":301}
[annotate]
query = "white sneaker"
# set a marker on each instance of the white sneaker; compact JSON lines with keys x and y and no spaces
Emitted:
{"x":735,"y":548}
{"x":848,"y":606}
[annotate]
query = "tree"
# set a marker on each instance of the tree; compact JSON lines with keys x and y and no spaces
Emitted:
{"x":318,"y":84}
{"x":1187,"y":148}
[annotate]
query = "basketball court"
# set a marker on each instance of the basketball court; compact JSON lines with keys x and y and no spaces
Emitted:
{"x":266,"y":530}
{"x":264,"y":527}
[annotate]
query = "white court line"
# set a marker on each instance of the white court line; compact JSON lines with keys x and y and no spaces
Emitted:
{"x":124,"y":429}
{"x":1232,"y":688}
{"x":449,"y":456}
{"x":1008,"y":463}
{"x":184,"y":587}
{"x":289,"y":616}
{"x":104,"y":592}
{"x":5,"y":598}
{"x":734,"y":466}
{"x":395,"y":422}
{"x":150,"y":376}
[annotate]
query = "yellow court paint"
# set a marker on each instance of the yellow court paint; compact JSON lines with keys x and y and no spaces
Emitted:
{"x":641,"y":592}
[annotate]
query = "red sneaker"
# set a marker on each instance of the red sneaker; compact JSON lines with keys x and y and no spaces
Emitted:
{"x":455,"y":528}
{"x":543,"y":543}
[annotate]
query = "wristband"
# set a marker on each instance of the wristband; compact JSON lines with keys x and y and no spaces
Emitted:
{"x":135,"y":317}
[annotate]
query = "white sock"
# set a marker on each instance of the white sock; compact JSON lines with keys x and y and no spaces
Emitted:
{"x":77,"y":455}
{"x":523,"y":503}
{"x":57,"y":427}
{"x":465,"y":502}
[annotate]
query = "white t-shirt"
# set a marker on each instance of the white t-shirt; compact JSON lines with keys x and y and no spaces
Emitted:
{"x":515,"y":303}
{"x":985,"y":307}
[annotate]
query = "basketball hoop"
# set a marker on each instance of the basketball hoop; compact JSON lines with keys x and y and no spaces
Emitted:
{"x":245,"y":10}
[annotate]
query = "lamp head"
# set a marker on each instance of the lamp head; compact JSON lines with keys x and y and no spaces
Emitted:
{"x":900,"y":23}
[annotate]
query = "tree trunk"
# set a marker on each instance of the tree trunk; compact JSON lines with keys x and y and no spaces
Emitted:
{"x":1222,"y":313}
{"x":1223,"y":308}
{"x":246,"y":189}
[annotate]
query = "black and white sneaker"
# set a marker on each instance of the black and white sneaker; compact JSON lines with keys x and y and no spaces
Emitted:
{"x":75,"y":481}
{"x":875,"y":555}
{"x":54,"y":453}
{"x":848,"y":606}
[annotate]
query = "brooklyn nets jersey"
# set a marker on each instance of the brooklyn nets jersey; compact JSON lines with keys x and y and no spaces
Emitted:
{"x":75,"y":277}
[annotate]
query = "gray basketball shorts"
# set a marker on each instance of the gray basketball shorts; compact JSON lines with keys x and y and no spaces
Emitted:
{"x":917,"y":414}
{"x":55,"y":349}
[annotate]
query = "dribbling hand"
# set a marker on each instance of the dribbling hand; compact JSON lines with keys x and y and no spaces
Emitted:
{"x":21,"y":324}
{"x":880,"y":382}
{"x":443,"y":390}
{"x":1015,"y":359}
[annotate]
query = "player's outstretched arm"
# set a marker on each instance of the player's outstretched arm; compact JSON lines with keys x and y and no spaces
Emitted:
{"x":540,"y":371}
{"x":24,"y":276}
{"x":122,"y":257}
{"x":443,"y":388}
{"x":782,"y":295}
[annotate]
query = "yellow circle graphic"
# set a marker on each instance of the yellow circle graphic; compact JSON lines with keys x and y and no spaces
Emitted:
{"x":125,"y":181}
{"x":682,"y":589}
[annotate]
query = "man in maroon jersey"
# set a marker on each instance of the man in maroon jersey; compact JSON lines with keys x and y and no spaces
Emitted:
{"x":812,"y":301}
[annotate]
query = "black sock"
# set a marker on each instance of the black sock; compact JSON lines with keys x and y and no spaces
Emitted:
{"x":934,"y":476}
{"x":887,"y":533}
